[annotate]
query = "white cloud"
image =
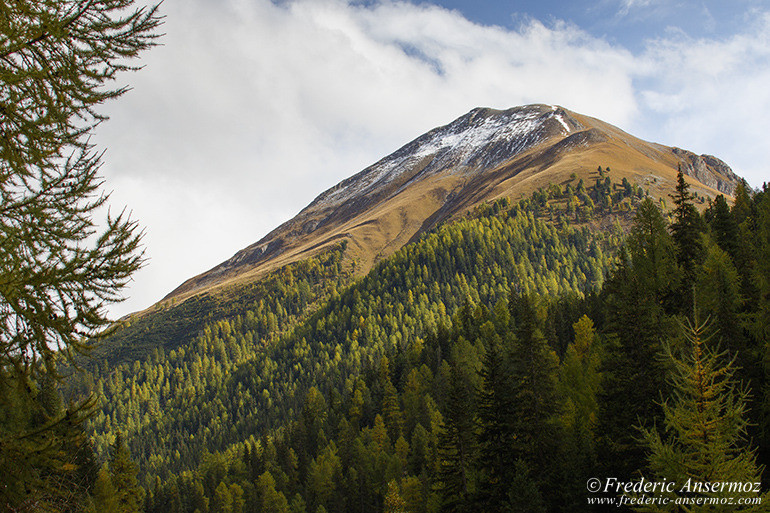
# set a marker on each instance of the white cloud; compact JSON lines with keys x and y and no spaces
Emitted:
{"x":251,"y":109}
{"x":711,"y":96}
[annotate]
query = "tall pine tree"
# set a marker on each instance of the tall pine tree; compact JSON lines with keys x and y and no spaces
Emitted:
{"x":723,"y":225}
{"x":497,"y":453}
{"x":534,"y":379}
{"x":686,"y":229}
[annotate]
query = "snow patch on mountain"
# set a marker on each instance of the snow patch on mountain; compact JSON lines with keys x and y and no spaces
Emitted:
{"x":481,"y":139}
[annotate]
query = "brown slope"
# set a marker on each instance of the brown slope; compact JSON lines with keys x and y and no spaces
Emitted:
{"x":484,"y":155}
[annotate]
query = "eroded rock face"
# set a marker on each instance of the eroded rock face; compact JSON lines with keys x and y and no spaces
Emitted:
{"x":709,"y":170}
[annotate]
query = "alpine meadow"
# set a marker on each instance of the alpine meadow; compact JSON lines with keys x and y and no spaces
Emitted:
{"x":523,"y":310}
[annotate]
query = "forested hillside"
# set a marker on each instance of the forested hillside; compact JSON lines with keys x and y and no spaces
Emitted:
{"x":513,"y":346}
{"x":241,"y":370}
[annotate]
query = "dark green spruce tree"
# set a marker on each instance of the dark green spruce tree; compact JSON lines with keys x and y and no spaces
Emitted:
{"x":637,"y":297}
{"x":496,"y":434}
{"x":686,"y":229}
{"x":456,"y":448}
{"x":723,"y":225}
{"x":534,"y":367}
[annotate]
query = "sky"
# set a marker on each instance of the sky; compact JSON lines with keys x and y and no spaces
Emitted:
{"x":252,"y":108}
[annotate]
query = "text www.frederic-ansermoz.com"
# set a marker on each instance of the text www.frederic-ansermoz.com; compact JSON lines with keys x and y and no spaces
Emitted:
{"x":612,"y":491}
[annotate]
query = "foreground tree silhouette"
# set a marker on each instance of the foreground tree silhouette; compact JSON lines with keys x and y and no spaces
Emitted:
{"x":59,"y":267}
{"x":704,"y":438}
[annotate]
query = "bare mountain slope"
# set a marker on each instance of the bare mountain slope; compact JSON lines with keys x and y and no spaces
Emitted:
{"x":483,"y":155}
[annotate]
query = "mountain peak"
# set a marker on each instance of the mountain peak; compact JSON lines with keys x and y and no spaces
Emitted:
{"x":482,"y":155}
{"x":480,"y":139}
{"x":535,"y":112}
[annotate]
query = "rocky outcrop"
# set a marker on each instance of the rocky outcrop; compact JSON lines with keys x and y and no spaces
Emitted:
{"x":708,"y":170}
